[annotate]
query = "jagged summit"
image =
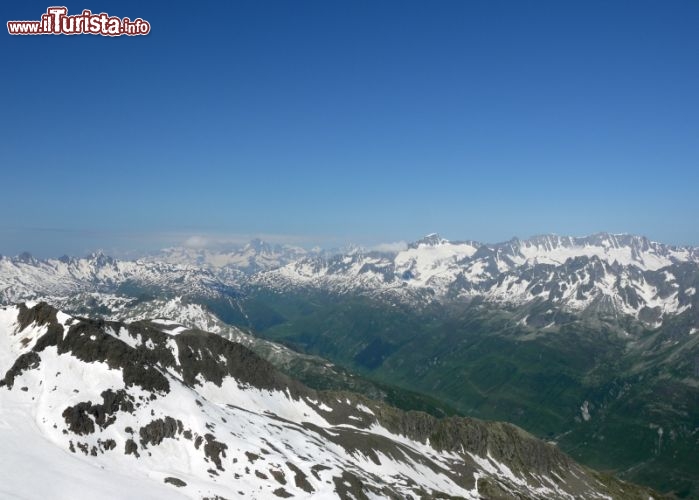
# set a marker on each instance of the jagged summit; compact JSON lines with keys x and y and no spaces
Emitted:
{"x":100,"y":259}
{"x":432,"y":239}
{"x":26,"y":258}
{"x":260,"y":246}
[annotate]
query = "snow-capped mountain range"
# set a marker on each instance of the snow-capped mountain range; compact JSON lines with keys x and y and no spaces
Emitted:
{"x":619,"y":274}
{"x":615,"y":273}
{"x":24,"y":276}
{"x":257,"y":255}
{"x":153,"y":409}
{"x":602,"y":273}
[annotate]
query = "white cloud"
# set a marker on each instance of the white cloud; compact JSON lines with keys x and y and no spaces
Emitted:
{"x":395,"y":246}
{"x":196,"y":242}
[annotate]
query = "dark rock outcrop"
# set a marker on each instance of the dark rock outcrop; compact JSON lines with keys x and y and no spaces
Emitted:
{"x":157,"y":430}
{"x":175,"y":482}
{"x":81,"y":418}
{"x":26,"y":361}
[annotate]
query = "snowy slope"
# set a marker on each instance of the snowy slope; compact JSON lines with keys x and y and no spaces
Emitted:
{"x":155,"y":410}
{"x":189,"y":315}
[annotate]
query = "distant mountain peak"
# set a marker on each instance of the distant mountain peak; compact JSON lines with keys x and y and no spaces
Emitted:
{"x":259,"y":245}
{"x":101,"y":259}
{"x":431,"y":240}
{"x":26,"y":258}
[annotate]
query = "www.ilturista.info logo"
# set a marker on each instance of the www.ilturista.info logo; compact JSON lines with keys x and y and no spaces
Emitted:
{"x":56,"y":21}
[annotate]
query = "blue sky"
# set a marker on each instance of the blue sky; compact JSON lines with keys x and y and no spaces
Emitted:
{"x":328,"y":122}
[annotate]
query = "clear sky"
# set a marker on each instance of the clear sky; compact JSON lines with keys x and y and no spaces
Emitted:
{"x":334,"y":121}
